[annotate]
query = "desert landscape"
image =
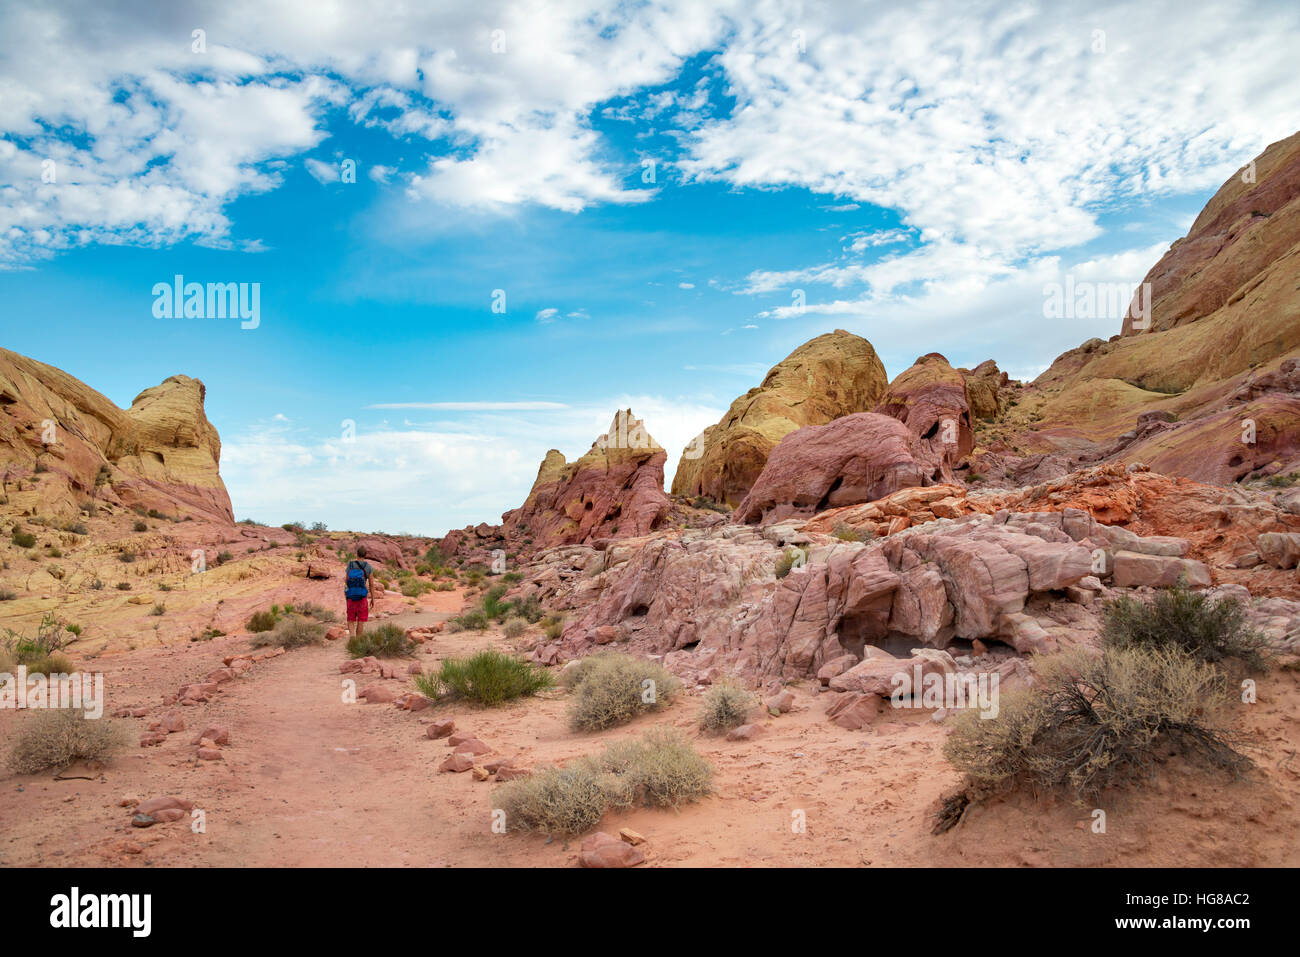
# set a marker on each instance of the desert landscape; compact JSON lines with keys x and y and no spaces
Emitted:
{"x":832,"y":544}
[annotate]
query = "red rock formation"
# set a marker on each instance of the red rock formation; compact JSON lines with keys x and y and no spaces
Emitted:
{"x":827,"y":377}
{"x":615,"y":490}
{"x":856,"y":458}
{"x":930,"y":399}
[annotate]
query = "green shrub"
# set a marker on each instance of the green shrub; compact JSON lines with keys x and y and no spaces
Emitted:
{"x":386,"y":641}
{"x":1209,"y":629}
{"x":140,"y":527}
{"x":529,"y":609}
{"x":474,"y":620}
{"x":309,"y":609}
{"x":261,"y":621}
{"x":553,"y":626}
{"x":724,"y":707}
{"x":126,"y":556}
{"x":292,"y":631}
{"x":487,"y":677}
{"x":24,"y":539}
{"x":56,"y":737}
{"x":123,"y":586}
{"x":788,"y":560}
{"x":1095,"y":721}
{"x":611,"y":688}
{"x":492,"y":605}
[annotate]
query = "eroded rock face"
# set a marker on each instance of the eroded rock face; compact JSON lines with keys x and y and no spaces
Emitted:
{"x":712,"y":599}
{"x":162,"y":453}
{"x":827,"y":377}
{"x":857,"y":458}
{"x":615,"y":490}
{"x":930,"y":399}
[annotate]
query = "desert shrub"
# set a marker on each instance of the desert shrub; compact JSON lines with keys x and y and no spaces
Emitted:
{"x":474,"y":620}
{"x":487,"y":677}
{"x":386,"y":641}
{"x":1095,"y":721}
{"x":514,"y":627}
{"x":75,"y":630}
{"x":53,"y":664}
{"x":511,"y":578}
{"x":159,"y":611}
{"x":7,"y":594}
{"x":123,"y":586}
{"x":724,"y":707}
{"x":660,"y":769}
{"x":263,"y":620}
{"x":309,"y":609}
{"x":443,"y":586}
{"x":1283,"y":481}
{"x":847,"y":533}
{"x":139,"y":526}
{"x":529,"y":609}
{"x":492,"y":605}
{"x":610,"y":688}
{"x":24,"y":539}
{"x":126,"y":557}
{"x":788,"y":561}
{"x":414,"y":587}
{"x":163,"y":586}
{"x":77,"y":528}
{"x":1209,"y":629}
{"x":554,"y":801}
{"x":291,"y":631}
{"x":553,"y":626}
{"x":56,"y":737}
{"x":53,"y":551}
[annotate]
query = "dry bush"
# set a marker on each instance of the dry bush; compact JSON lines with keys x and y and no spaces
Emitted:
{"x":55,"y":738}
{"x":1096,"y":721}
{"x":291,"y":632}
{"x":660,"y":769}
{"x":610,"y":688}
{"x":514,"y":627}
{"x":724,"y":707}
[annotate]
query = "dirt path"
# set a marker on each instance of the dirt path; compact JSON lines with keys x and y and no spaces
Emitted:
{"x":311,"y":781}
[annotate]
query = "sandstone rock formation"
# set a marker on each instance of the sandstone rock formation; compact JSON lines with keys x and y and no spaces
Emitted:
{"x":1217,"y":358}
{"x":856,"y":458}
{"x":73,"y":444}
{"x":930,"y":399}
{"x":827,"y":377}
{"x":615,"y":490}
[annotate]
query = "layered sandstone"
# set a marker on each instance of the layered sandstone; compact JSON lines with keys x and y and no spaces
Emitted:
{"x":833,"y":375}
{"x":615,"y":490}
{"x":72,"y":444}
{"x":1217,"y":359}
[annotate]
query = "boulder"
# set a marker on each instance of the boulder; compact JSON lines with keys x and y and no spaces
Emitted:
{"x":605,"y":850}
{"x":1133,"y":569}
{"x":1279,"y":549}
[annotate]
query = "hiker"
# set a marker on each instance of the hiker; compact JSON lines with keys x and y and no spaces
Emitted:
{"x":358,"y":588}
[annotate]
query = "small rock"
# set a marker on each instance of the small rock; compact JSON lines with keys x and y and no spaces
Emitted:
{"x":440,"y":729}
{"x":605,"y":850}
{"x":457,"y":763}
{"x":631,"y":836}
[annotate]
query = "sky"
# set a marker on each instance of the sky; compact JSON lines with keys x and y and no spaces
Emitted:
{"x":477,"y":230}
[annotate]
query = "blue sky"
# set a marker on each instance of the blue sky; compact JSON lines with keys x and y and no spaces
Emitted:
{"x":919,"y":177}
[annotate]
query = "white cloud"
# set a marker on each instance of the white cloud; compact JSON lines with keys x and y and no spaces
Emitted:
{"x":547,"y":315}
{"x":439,"y":476}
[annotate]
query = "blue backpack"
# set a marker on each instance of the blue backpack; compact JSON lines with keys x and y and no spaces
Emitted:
{"x":355,"y":587}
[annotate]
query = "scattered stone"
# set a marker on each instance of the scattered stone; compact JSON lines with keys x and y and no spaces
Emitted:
{"x":440,"y":729}
{"x":605,"y":850}
{"x":457,"y":762}
{"x":631,"y":836}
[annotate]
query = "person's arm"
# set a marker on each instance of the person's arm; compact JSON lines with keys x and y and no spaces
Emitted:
{"x":370,"y":585}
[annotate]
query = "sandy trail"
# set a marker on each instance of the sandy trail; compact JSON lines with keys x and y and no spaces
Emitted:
{"x":311,"y":781}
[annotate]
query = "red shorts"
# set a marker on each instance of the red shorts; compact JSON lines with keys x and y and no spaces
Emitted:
{"x":358,"y":609}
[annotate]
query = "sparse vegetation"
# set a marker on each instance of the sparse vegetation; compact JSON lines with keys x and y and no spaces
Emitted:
{"x":487,"y":677}
{"x":57,"y":737}
{"x":24,"y":539}
{"x":292,"y":631}
{"x":611,"y":688}
{"x":159,"y":610}
{"x":847,"y":533}
{"x":724,"y":707}
{"x":660,"y":769}
{"x":385,"y":641}
{"x":264,"y":620}
{"x":140,"y":526}
{"x":790,"y":559}
{"x":553,"y":626}
{"x":1209,"y":629}
{"x":513,"y":627}
{"x":1095,"y":721}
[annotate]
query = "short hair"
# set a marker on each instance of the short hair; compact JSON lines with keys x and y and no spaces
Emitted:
{"x":361,"y":551}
